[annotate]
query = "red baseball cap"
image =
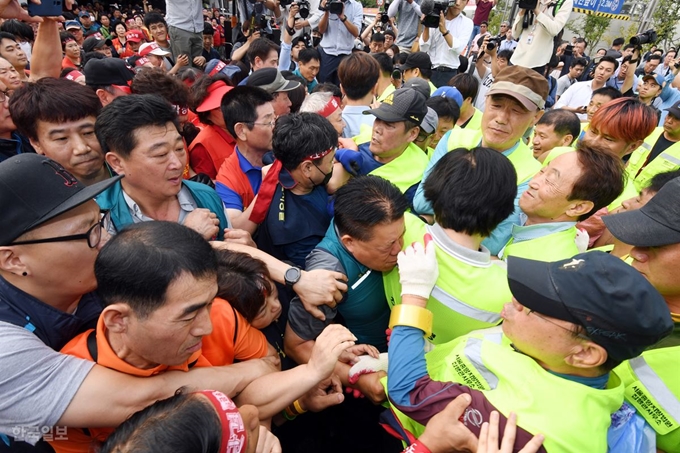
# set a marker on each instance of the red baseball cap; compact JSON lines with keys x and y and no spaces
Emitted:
{"x":135,"y":36}
{"x":216,"y":91}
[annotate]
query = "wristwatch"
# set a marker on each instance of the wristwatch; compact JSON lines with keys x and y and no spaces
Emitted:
{"x":292,"y":276}
{"x":343,"y":19}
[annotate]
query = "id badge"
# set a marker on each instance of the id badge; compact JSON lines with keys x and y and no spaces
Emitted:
{"x":530,"y":38}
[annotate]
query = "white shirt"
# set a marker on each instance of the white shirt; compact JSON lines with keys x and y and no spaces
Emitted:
{"x":535,"y":46}
{"x":577,"y":95}
{"x":460,"y":29}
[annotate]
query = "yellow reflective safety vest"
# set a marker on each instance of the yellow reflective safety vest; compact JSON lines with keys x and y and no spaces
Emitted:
{"x":652,"y":383}
{"x":555,"y":152}
{"x":668,"y":160}
{"x":521,"y":158}
{"x":475,"y":123}
{"x":551,"y":247}
{"x":467,"y":296}
{"x":573,"y":417}
{"x":406,"y":170}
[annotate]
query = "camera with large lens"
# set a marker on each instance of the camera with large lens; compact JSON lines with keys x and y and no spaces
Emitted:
{"x":304,"y":8}
{"x":644,"y":38}
{"x":335,"y":7}
{"x":527,"y":4}
{"x":432,"y":17}
{"x":384,"y":18}
{"x":493,"y":42}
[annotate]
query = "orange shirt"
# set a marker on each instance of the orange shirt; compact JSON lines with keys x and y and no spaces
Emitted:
{"x":78,"y":441}
{"x":232,"y":338}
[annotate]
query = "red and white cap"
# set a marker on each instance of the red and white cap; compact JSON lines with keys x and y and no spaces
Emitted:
{"x":152,"y":48}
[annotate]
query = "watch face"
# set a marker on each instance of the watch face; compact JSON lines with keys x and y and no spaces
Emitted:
{"x":292,"y":275}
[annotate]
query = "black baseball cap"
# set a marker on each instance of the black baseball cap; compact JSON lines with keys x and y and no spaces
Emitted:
{"x":420,"y":85}
{"x":404,"y":104}
{"x":655,"y":224}
{"x":619,"y":309}
{"x":674,"y":110}
{"x":35,"y":189}
{"x":107,"y":71}
{"x":420,"y":60}
{"x":94,"y":42}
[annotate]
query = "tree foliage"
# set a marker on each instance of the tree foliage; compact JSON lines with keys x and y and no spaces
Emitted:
{"x":591,"y":28}
{"x":664,"y":19}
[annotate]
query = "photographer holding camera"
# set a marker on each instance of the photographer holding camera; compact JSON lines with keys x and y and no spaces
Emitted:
{"x":536,"y":28}
{"x":446,"y":41}
{"x":339,"y":25}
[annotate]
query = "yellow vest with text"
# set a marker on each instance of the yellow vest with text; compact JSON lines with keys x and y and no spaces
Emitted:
{"x":466,"y":297}
{"x":551,"y":247}
{"x":573,"y":417}
{"x":521,"y":158}
{"x":406,"y":170}
{"x":652,"y":383}
{"x":668,"y":160}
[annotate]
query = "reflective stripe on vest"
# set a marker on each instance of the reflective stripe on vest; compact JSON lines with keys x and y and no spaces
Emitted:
{"x":656,"y":387}
{"x":670,"y":158}
{"x":473,"y":351}
{"x":463,"y":308}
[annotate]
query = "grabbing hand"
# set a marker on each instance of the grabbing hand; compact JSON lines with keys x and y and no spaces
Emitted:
{"x":367,"y":364}
{"x":488,"y":437}
{"x":199,"y":61}
{"x":351,"y":160}
{"x":182,"y":60}
{"x":445,"y":433}
{"x":320,"y":287}
{"x":328,"y":347}
{"x":239,"y":237}
{"x":204,"y":222}
{"x":418,"y":270}
{"x":326,"y":394}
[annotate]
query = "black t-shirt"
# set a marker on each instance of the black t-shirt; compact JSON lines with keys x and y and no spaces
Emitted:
{"x":661,"y":145}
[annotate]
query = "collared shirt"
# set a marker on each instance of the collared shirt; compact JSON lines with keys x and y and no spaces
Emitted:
{"x":460,"y":29}
{"x":507,"y":44}
{"x":577,"y":95}
{"x":186,"y":15}
{"x":354,"y":118}
{"x":187,"y":204}
{"x":338,"y":40}
{"x":229,"y":197}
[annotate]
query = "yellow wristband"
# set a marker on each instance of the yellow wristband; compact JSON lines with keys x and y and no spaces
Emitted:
{"x":298,"y":407}
{"x":412,"y":316}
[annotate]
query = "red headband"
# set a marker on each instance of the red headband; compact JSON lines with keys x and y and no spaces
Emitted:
{"x":234,"y":439}
{"x":332,"y":105}
{"x":268,"y":187}
{"x":73,"y":75}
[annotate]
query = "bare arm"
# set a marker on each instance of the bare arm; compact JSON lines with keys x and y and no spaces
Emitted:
{"x":630,"y":75}
{"x":46,"y":59}
{"x":317,"y":287}
{"x":120,"y":395}
{"x":239,"y":53}
{"x":273,"y":393}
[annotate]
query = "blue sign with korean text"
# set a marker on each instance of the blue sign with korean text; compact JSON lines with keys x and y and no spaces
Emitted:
{"x":600,"y":6}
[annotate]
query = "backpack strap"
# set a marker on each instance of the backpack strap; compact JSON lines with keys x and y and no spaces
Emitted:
{"x":92,"y":345}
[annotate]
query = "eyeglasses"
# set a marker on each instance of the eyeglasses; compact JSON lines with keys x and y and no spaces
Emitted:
{"x":93,"y":235}
{"x":4,"y":95}
{"x":271,"y":123}
{"x":581,"y":336}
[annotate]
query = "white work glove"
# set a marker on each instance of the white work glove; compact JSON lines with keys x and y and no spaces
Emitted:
{"x":366,"y":365}
{"x":418,"y":270}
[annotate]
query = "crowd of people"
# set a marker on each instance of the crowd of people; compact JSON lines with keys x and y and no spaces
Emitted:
{"x":295,"y":230}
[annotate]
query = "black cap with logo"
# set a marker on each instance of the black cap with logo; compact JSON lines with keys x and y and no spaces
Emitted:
{"x":35,"y":189}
